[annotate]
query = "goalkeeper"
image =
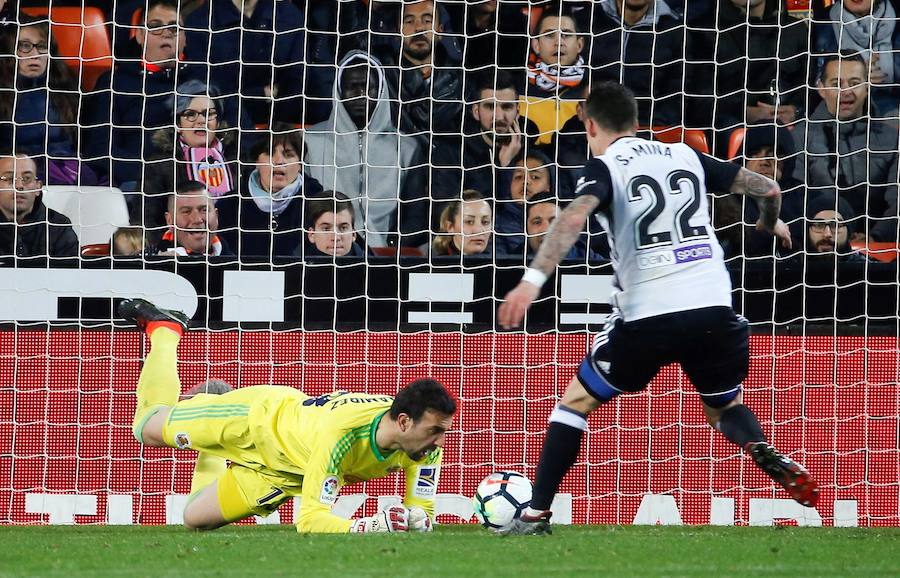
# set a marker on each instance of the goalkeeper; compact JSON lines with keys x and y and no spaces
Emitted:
{"x":281,"y":443}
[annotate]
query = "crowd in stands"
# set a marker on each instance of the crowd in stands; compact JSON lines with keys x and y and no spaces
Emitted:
{"x":255,"y":129}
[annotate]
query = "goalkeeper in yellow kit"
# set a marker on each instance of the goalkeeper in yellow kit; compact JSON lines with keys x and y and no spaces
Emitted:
{"x":279,"y":443}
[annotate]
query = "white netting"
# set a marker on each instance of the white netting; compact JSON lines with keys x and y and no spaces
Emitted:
{"x":118,"y":114}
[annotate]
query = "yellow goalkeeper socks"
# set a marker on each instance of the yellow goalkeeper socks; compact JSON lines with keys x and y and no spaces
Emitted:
{"x":158,"y":385}
{"x":206,"y":470}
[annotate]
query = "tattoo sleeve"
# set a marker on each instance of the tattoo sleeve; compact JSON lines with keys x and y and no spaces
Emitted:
{"x":764,"y":191}
{"x":564,"y":232}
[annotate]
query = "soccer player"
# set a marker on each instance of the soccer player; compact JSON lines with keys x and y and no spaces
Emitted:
{"x":281,"y":443}
{"x":672,"y":298}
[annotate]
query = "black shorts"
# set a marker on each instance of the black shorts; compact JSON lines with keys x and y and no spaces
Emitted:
{"x":711,"y":344}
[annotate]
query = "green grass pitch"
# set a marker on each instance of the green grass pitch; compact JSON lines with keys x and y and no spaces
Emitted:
{"x":576,"y":551}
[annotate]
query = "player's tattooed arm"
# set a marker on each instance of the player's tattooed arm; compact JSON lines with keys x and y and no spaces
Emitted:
{"x":764,"y":191}
{"x":563,"y":233}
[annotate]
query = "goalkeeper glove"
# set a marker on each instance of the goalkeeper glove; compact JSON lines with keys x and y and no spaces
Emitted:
{"x":391,"y":519}
{"x":419,"y":521}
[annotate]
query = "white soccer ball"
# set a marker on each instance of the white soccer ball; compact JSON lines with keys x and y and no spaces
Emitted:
{"x":500,"y":498}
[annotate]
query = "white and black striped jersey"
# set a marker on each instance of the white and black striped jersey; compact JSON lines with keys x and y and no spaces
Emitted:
{"x":662,"y":245}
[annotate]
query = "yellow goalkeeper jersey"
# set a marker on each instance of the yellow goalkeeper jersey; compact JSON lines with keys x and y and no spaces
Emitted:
{"x":325,"y":442}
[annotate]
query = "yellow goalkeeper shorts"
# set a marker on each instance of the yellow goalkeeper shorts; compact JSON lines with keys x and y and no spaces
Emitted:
{"x":242,"y":492}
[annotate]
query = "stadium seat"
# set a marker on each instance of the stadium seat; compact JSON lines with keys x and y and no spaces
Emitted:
{"x":95,"y":212}
{"x":391,"y":251}
{"x":886,"y":252}
{"x":83,"y":39}
{"x":549,"y":114}
{"x":736,"y":143}
{"x":96,"y":250}
{"x":694,"y":138}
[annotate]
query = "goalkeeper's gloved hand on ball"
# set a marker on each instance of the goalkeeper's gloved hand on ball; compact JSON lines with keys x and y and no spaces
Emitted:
{"x":391,"y":519}
{"x":419,"y":520}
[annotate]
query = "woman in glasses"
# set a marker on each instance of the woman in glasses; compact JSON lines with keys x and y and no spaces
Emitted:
{"x":39,"y":102}
{"x":198,"y":149}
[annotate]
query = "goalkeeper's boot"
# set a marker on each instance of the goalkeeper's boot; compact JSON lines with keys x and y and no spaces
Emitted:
{"x":792,"y":476}
{"x":143,"y":312}
{"x":526,"y":525}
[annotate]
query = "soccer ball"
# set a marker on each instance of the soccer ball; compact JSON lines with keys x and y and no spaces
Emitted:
{"x":501,"y":498}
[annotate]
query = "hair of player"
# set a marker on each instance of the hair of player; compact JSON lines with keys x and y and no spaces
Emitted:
{"x":420,"y":396}
{"x":842,"y":57}
{"x":452,"y":209}
{"x":327,"y":202}
{"x":185,"y":188}
{"x":61,"y":83}
{"x":612,"y":106}
{"x":151,"y":4}
{"x":493,"y":79}
{"x":268,"y":144}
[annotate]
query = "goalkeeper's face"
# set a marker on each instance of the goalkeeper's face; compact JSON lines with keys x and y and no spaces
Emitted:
{"x":420,"y":437}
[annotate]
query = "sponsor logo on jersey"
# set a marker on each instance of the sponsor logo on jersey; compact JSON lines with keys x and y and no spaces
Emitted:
{"x":656,"y":259}
{"x":182,"y":441}
{"x":426,"y":482}
{"x":693,"y":253}
{"x":329,"y":491}
{"x":674,"y":257}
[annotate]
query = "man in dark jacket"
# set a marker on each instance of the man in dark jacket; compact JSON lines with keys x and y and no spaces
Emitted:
{"x":850,"y":148}
{"x":133,"y":100}
{"x":28,"y":229}
{"x":429,"y":88}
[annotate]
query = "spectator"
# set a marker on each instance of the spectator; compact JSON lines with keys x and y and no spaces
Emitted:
{"x":192,"y":220}
{"x":28,"y":229}
{"x":267,"y":218}
{"x":542,"y":210}
{"x":769,"y":151}
{"x":9,"y":9}
{"x":640,"y":43}
{"x":869,"y":28}
{"x":429,"y":90}
{"x":329,"y":226}
{"x":255,"y":49}
{"x":128,"y":242}
{"x":570,"y":149}
{"x":135,"y":99}
{"x":496,"y":35}
{"x":849,"y":148}
{"x":199,"y":149}
{"x":531,"y":176}
{"x":557,"y":66}
{"x":466,"y":224}
{"x":39,"y":104}
{"x":830,"y":222}
{"x":757,"y":65}
{"x":493,"y":141}
{"x":360,"y":152}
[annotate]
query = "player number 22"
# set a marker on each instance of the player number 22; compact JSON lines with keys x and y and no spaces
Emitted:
{"x":644,"y":186}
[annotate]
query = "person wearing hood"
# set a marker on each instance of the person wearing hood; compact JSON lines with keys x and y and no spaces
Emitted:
{"x":769,"y":151}
{"x":869,"y":28}
{"x":640,"y":43}
{"x":199,"y":149}
{"x":533,"y":174}
{"x":829,"y":224}
{"x":428,"y":86}
{"x":266,"y":220}
{"x":359,"y":151}
{"x":28,"y":229}
{"x":851,"y":147}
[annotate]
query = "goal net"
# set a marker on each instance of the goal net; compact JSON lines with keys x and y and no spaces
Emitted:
{"x":337,"y":145}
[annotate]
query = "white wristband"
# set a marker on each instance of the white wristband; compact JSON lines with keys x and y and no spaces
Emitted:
{"x":535,"y":277}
